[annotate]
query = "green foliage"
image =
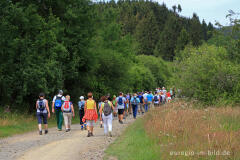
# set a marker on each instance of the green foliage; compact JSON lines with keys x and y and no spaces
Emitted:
{"x":158,"y":68}
{"x":81,"y":46}
{"x":204,"y":73}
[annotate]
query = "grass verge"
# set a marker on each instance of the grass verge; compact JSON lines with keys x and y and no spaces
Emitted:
{"x":12,"y":123}
{"x":133,"y":144}
{"x":180,"y":131}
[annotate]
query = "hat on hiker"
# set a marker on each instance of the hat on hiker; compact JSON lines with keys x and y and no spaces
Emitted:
{"x":60,"y":92}
{"x":81,"y":97}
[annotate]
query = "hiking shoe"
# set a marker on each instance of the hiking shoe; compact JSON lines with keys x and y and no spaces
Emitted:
{"x":46,"y":131}
{"x":40,"y":132}
{"x":121,"y":122}
{"x":89,"y":134}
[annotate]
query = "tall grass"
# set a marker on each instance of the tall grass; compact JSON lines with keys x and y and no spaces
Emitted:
{"x":183,"y":132}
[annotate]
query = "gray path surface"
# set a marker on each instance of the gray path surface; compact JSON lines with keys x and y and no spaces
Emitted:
{"x":60,"y":145}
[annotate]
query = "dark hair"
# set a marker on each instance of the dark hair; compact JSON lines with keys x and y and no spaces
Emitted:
{"x":89,"y":95}
{"x":103,"y":98}
{"x":120,"y":93}
{"x":41,"y":95}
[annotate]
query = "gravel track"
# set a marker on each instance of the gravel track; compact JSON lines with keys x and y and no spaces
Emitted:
{"x":60,"y":145}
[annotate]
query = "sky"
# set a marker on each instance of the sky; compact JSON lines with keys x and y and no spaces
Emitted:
{"x":209,"y":10}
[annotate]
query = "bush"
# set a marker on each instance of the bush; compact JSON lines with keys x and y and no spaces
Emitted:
{"x":205,"y":74}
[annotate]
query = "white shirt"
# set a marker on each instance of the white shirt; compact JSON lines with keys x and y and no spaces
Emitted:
{"x":145,"y":96}
{"x":59,"y":95}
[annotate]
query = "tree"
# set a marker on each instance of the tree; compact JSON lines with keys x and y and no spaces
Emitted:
{"x":182,"y":41}
{"x":195,"y":32}
{"x":179,"y":8}
{"x":147,"y":34}
{"x":174,"y":7}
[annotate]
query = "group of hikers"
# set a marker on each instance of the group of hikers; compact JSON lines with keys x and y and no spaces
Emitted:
{"x":107,"y":109}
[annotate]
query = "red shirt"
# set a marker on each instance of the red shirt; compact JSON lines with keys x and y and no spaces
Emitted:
{"x":168,"y":94}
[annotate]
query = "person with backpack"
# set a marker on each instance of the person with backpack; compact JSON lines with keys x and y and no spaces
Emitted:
{"x":145,"y":101}
{"x":115,"y":106}
{"x":134,"y":102}
{"x":156,"y":99}
{"x":91,"y":116}
{"x":68,"y":113}
{"x":120,"y":104}
{"x":128,"y":99}
{"x":106,"y":115}
{"x":81,"y":104}
{"x":99,"y":107}
{"x":42,"y":113}
{"x":169,"y":98}
{"x":141,"y":104}
{"x":56,"y":106}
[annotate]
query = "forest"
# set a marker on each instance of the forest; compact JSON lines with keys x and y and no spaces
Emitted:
{"x":107,"y":47}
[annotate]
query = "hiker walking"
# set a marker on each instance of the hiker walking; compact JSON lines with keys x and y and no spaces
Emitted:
{"x":120,"y":104}
{"x":135,"y":101}
{"x":114,"y":101}
{"x":106,"y":115}
{"x":141,"y":104}
{"x":145,"y":101}
{"x":68,"y":113}
{"x":56,"y":105}
{"x":99,"y":107}
{"x":42,"y":113}
{"x":81,"y":105}
{"x":91,"y":115}
{"x":149,"y":99}
{"x":156,"y":99}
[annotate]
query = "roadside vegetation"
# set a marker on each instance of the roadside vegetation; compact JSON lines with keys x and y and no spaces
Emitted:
{"x":18,"y":123}
{"x":181,"y":130}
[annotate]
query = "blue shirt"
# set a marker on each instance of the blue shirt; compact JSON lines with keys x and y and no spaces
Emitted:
{"x":81,"y":104}
{"x":149,"y":97}
{"x":140,"y":98}
{"x":133,"y":100}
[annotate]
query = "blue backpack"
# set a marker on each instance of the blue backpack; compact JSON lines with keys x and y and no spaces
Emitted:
{"x":58,"y":102}
{"x":134,"y":102}
{"x":41,"y":105}
{"x":120,"y":101}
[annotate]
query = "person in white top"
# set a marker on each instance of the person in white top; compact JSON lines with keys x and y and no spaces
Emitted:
{"x":56,"y":106}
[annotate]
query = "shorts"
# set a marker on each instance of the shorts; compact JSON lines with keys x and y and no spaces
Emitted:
{"x":120,"y":111}
{"x":42,"y":117}
{"x":90,"y":123}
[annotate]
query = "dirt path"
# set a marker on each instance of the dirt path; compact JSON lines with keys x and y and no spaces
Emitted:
{"x":60,"y":145}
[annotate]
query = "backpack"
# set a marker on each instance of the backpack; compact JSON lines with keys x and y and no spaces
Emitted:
{"x":107,"y":110}
{"x":134,"y":101}
{"x":67,"y":106}
{"x":156,"y":98}
{"x":58,"y":102}
{"x":41,"y":105}
{"x":120,"y":101}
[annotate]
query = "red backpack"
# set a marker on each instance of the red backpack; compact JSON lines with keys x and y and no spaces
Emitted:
{"x":67,"y":106}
